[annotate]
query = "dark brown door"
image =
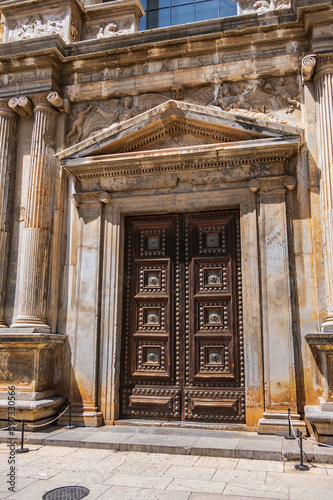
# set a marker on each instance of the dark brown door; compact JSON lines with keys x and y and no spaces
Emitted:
{"x":182,"y":355}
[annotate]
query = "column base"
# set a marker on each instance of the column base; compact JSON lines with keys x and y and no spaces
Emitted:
{"x":83,"y":417}
{"x":327,"y":326}
{"x":277,"y":424}
{"x":33,"y":412}
{"x":28,"y":328}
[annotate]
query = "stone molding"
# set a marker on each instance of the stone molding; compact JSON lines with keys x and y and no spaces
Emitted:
{"x":90,"y":197}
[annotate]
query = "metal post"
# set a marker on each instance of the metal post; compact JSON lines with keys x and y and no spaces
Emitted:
{"x":290,"y":436}
{"x":301,"y":466}
{"x":22,"y":450}
{"x":70,"y":426}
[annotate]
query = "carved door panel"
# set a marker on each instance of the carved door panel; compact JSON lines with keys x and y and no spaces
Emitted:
{"x":182,"y":353}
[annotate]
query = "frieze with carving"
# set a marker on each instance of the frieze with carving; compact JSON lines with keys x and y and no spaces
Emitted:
{"x":262,"y":6}
{"x":36,"y":26}
{"x":272,"y":99}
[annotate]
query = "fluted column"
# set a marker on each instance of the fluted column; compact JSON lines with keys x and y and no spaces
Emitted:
{"x":324,"y":90}
{"x":38,"y":220}
{"x":7,"y":158}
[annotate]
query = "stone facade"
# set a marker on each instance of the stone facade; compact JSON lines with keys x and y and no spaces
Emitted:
{"x":99,"y":122}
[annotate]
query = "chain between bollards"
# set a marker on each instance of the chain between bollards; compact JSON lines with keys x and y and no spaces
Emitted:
{"x":70,"y":426}
{"x":22,"y":450}
{"x":290,"y":436}
{"x":301,"y":466}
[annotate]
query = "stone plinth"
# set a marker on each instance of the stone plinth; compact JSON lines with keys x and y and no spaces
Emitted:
{"x":25,"y":20}
{"x":30,"y":365}
{"x":111,"y":19}
{"x":320,"y":418}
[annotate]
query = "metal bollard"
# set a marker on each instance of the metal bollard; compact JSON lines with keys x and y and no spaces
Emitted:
{"x":301,"y":466}
{"x":70,"y":426}
{"x":290,"y":436}
{"x":22,"y":450}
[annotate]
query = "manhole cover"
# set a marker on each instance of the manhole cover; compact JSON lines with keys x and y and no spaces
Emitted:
{"x":67,"y":493}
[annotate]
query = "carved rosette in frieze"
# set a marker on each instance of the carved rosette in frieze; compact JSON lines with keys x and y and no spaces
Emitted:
{"x":7,"y":158}
{"x":268,"y":184}
{"x":90,"y":197}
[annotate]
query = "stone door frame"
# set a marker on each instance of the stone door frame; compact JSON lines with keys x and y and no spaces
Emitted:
{"x":204,"y":199}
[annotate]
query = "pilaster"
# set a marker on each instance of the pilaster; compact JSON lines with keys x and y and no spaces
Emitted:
{"x":7,"y":158}
{"x":85,"y":342}
{"x":38,"y":221}
{"x":278,"y":348}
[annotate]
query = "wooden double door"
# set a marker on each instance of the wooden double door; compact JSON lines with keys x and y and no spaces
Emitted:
{"x":182,"y":352}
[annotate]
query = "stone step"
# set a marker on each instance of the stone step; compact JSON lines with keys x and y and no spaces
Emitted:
{"x":182,"y":441}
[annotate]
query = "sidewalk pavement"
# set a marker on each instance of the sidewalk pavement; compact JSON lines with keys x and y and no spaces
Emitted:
{"x":127,"y":475}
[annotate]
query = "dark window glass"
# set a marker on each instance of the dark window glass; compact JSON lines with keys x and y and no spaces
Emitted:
{"x":206,"y":10}
{"x":161,"y":13}
{"x":228,"y":8}
{"x":158,"y":18}
{"x":182,"y":14}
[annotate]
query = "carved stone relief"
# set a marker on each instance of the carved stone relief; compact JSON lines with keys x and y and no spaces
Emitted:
{"x":36,"y":26}
{"x":262,"y":6}
{"x":273,"y":99}
{"x":108,"y":30}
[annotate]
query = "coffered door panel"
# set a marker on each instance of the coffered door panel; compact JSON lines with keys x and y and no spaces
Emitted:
{"x":150,"y":369}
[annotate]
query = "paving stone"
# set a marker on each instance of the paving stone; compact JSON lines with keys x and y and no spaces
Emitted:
{"x":159,"y":444}
{"x":126,"y":493}
{"x":208,"y":496}
{"x":267,"y":449}
{"x":106,"y":441}
{"x":297,"y":477}
{"x":139,"y":481}
{"x":96,"y":490}
{"x":215,"y":447}
{"x":218,"y":462}
{"x":306,"y":492}
{"x":68,"y":438}
{"x":257,"y":491}
{"x":196,"y":485}
{"x":132,"y":468}
{"x":318,"y":469}
{"x":91,"y":453}
{"x":202,"y":473}
{"x":240,"y":476}
{"x":169,"y":459}
{"x":261,"y":465}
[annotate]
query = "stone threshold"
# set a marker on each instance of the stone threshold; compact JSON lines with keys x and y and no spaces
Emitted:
{"x":181,"y":441}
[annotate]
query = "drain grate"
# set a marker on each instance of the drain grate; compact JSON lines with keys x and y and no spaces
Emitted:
{"x":67,"y":493}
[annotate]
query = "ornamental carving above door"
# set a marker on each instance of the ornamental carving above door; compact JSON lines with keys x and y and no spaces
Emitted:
{"x":182,"y":353}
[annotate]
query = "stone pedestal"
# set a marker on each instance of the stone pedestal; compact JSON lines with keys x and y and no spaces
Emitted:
{"x":324,"y":89}
{"x":7,"y":158}
{"x":106,"y":20}
{"x":38,"y":221}
{"x":30,"y":364}
{"x":26,"y":19}
{"x":320,"y":418}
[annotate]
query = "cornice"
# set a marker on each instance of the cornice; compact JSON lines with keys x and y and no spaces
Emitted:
{"x":166,"y":162}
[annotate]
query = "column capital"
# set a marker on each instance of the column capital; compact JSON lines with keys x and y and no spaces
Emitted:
{"x":268,"y":184}
{"x":6,"y":109}
{"x":41,"y":103}
{"x":324,"y":65}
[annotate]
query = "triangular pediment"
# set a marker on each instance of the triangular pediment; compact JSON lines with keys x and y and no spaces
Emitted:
{"x":174,"y":125}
